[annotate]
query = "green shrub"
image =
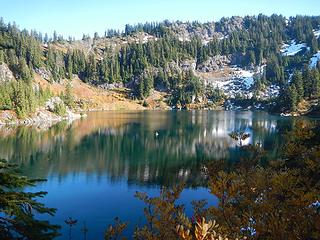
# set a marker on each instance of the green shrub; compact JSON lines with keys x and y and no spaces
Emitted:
{"x":60,"y":109}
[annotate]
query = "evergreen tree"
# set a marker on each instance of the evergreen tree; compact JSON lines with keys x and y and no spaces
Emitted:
{"x":69,"y":65}
{"x":18,"y":208}
{"x":24,"y":72}
{"x":148,"y":84}
{"x":6,"y":92}
{"x":313,"y":44}
{"x":298,"y":83}
{"x":68,"y":96}
{"x":46,"y":38}
{"x":55,"y":36}
{"x":293,"y":98}
{"x":96,"y":36}
{"x":307,"y":83}
{"x":315,"y":82}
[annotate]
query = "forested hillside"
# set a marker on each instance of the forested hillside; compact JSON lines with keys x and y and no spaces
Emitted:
{"x":254,"y":61}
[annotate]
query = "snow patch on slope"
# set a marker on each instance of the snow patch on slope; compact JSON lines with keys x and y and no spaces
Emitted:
{"x":293,"y":48}
{"x":272,"y":91}
{"x":238,"y":84}
{"x":223,"y":37}
{"x":313,"y":61}
{"x":316,"y":33}
{"x":240,"y":77}
{"x":247,"y":77}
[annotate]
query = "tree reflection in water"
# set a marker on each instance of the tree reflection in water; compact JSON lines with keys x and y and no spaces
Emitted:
{"x":124,"y":146}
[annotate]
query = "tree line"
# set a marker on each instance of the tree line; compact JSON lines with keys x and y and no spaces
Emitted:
{"x":144,"y":66}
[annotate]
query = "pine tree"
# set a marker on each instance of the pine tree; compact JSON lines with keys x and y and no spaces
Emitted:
{"x":46,"y":38}
{"x":17,"y":208}
{"x":293,"y":98}
{"x":252,"y":58}
{"x":20,"y":100}
{"x":315,"y":81}
{"x":313,"y":44}
{"x":6,"y":91}
{"x":298,"y":83}
{"x":68,"y":96}
{"x":55,"y":36}
{"x":96,"y":36}
{"x":148,"y":85}
{"x":24,"y":71}
{"x":307,"y":83}
{"x":69,"y":65}
{"x":91,"y":69}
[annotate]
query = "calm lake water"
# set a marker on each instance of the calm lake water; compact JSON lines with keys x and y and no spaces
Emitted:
{"x":95,"y":165}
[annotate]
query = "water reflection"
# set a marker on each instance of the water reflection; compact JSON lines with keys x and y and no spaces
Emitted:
{"x":95,"y":165}
{"x":149,"y":148}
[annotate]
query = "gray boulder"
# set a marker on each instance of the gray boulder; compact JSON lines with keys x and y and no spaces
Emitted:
{"x":44,"y":73}
{"x":5,"y":73}
{"x":52,"y":102}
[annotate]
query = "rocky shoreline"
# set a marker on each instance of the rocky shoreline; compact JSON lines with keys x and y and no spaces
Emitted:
{"x":41,"y":118}
{"x":45,"y":117}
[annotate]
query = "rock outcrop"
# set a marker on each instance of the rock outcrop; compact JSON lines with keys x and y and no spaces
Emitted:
{"x":51,"y":103}
{"x":214,"y":64}
{"x":45,"y":116}
{"x":41,"y":117}
{"x":44,"y":73}
{"x":188,"y":65}
{"x":5,"y":73}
